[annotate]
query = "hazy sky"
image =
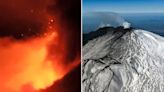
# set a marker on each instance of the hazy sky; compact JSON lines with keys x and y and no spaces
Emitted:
{"x":124,"y":6}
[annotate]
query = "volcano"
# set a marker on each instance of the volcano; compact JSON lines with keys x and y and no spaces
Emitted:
{"x":122,"y":60}
{"x":40,"y":45}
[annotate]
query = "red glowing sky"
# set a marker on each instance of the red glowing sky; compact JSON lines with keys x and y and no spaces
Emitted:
{"x":39,"y":43}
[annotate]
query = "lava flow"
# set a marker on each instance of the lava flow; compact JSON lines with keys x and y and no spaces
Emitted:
{"x":34,"y":51}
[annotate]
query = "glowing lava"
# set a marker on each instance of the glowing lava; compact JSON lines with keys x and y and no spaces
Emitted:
{"x":34,"y":52}
{"x":25,"y":66}
{"x":25,"y":63}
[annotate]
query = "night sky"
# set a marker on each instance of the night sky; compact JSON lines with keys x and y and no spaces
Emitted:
{"x":26,"y":28}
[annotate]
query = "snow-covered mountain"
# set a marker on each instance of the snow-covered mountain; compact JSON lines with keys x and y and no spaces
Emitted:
{"x":124,"y":60}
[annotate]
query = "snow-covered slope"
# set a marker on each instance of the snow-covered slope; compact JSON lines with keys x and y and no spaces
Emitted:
{"x":124,"y":61}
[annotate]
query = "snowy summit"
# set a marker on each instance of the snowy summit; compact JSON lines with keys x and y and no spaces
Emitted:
{"x":124,"y":61}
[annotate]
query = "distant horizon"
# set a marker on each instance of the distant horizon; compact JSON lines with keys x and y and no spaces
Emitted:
{"x":124,"y":6}
{"x":124,"y":12}
{"x":147,"y":21}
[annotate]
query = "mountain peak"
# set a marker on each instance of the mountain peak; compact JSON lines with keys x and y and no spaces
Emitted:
{"x":123,"y":60}
{"x":104,"y":30}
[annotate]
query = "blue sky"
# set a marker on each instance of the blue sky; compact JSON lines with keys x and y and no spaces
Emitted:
{"x":124,"y":6}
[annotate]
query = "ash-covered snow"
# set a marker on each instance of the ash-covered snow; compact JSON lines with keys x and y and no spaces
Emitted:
{"x":131,"y":61}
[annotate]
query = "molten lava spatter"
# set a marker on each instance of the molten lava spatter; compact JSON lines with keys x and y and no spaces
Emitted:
{"x":34,"y":49}
{"x":26,"y":66}
{"x":29,"y":69}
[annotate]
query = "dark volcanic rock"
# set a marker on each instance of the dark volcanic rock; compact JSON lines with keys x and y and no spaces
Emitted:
{"x":69,"y":83}
{"x":101,"y":32}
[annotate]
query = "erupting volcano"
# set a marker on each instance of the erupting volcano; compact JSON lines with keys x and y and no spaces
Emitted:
{"x":39,"y":43}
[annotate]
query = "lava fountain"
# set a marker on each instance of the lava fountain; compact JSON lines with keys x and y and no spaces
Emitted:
{"x":33,"y":50}
{"x":25,"y":66}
